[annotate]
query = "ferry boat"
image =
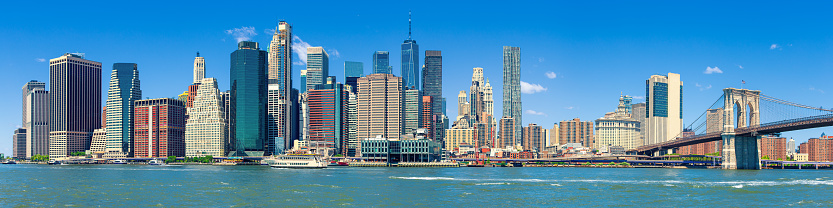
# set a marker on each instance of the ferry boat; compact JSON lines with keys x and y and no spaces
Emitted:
{"x":119,"y":161}
{"x":297,"y":161}
{"x":53,"y":162}
{"x":155,"y":162}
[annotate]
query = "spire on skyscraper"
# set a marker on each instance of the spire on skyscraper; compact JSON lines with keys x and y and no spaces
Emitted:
{"x":409,"y":24}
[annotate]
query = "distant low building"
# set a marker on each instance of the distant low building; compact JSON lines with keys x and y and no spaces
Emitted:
{"x":380,"y":149}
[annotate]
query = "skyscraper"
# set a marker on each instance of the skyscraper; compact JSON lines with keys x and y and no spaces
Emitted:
{"x":36,"y":118}
{"x":432,"y":85}
{"x":380,"y":106}
{"x":512,"y":86}
{"x":275,"y":141}
{"x":532,"y":138}
{"x":576,"y":131}
{"x":381,"y":62}
{"x":410,"y":61}
{"x":318,"y":67}
{"x":199,"y":68}
{"x":124,"y":90}
{"x":280,"y":73}
{"x":664,"y":99}
{"x":428,"y":119}
{"x":476,"y":97}
{"x":75,"y":103}
{"x":248,"y":99}
{"x":28,"y":87}
{"x":507,"y":133}
{"x":159,"y":128}
{"x":205,"y":130}
{"x":412,"y":110}
{"x":352,"y":121}
{"x":19,"y":145}
{"x":618,"y":128}
{"x":352,"y":71}
{"x":328,"y":116}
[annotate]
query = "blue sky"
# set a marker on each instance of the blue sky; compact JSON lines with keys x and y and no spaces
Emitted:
{"x":596,"y":49}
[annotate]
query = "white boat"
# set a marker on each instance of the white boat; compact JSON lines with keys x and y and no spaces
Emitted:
{"x":53,"y":162}
{"x":119,"y":161}
{"x":297,"y":161}
{"x":155,"y":162}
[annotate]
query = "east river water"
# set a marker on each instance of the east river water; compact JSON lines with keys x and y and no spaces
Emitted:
{"x":260,"y":186}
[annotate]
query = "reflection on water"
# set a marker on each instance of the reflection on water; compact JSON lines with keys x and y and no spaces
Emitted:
{"x":202,"y":185}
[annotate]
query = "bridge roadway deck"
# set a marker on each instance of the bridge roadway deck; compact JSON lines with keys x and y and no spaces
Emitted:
{"x":768,"y":128}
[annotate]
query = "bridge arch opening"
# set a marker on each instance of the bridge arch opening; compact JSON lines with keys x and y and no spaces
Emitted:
{"x":739,"y":117}
{"x":750,"y":109}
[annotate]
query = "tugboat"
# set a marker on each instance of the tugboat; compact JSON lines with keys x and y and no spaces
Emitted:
{"x":297,"y":161}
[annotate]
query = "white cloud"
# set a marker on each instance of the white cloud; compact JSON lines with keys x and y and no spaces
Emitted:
{"x":269,"y":31}
{"x":40,"y":60}
{"x":535,"y":113}
{"x":528,"y":88}
{"x":638,"y":97}
{"x":334,"y":53}
{"x":299,"y":47}
{"x":540,"y":60}
{"x":551,"y":75}
{"x":710,"y":70}
{"x":702,"y":87}
{"x":569,"y":107}
{"x":817,"y":90}
{"x":774,"y":46}
{"x":243,"y":33}
{"x":739,"y":66}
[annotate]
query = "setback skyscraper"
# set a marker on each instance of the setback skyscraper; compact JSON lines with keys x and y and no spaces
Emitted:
{"x":410,"y":61}
{"x":75,"y":103}
{"x":124,"y":90}
{"x":248,"y":99}
{"x":381,"y":62}
{"x":512,"y":86}
{"x":206,"y":129}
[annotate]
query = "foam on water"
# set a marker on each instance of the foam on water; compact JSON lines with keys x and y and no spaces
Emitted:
{"x":488,"y":181}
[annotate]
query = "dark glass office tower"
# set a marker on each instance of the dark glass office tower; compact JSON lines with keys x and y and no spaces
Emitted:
{"x":381,"y":62}
{"x":248,"y":99}
{"x":352,"y":71}
{"x":432,"y":85}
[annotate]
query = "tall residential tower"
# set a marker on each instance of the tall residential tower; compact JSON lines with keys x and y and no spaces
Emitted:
{"x":512,"y":86}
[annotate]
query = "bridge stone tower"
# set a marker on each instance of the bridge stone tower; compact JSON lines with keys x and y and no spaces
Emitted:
{"x":741,"y":152}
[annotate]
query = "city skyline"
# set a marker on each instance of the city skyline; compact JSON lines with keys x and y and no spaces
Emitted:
{"x":555,"y":60}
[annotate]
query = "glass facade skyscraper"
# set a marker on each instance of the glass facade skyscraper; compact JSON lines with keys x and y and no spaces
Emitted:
{"x":248,"y":99}
{"x":381,"y":62}
{"x":280,"y":73}
{"x":318,"y":67}
{"x":432,"y":85}
{"x":410,"y":61}
{"x":124,"y":90}
{"x":352,"y":71}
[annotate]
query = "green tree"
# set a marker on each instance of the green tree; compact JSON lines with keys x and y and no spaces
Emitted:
{"x":170,"y":159}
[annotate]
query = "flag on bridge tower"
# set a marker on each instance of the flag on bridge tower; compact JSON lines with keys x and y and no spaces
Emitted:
{"x":743,"y":81}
